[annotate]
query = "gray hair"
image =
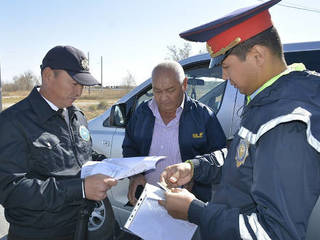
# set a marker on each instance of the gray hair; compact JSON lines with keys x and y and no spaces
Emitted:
{"x":171,"y":67}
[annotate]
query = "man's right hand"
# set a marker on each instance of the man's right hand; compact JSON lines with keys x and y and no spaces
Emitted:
{"x":135,"y":181}
{"x":177,"y":175}
{"x":96,"y":186}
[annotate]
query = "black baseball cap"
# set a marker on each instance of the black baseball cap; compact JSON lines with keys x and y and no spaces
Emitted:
{"x":73,"y":61}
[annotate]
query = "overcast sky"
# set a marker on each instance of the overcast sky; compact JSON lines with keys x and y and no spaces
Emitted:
{"x":131,"y":35}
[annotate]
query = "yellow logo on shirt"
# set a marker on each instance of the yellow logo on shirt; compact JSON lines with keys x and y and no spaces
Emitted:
{"x":197,"y":135}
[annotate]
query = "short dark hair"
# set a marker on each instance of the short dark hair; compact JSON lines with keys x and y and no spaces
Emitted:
{"x":268,"y":38}
{"x":56,"y":72}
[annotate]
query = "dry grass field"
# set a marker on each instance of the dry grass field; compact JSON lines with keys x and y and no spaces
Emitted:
{"x":93,"y":101}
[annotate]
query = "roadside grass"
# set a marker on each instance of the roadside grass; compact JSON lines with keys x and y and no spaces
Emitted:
{"x":93,"y":101}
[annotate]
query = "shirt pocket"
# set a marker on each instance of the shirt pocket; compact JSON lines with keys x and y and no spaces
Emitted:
{"x":47,"y":154}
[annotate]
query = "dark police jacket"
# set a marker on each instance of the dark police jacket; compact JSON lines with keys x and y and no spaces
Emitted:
{"x":40,"y":162}
{"x":199,"y":132}
{"x":271,"y":177}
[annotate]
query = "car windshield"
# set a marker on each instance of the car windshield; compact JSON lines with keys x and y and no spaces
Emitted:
{"x":206,"y":85}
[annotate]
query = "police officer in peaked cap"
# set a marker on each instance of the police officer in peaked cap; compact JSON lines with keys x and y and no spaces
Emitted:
{"x":270,"y":178}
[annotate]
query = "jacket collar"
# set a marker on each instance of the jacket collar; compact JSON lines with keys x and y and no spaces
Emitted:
{"x":42,"y":108}
{"x":186,"y":104}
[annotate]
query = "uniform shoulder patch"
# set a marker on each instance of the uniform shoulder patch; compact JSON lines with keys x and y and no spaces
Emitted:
{"x":242,"y":152}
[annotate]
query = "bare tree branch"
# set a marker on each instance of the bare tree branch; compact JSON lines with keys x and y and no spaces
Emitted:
{"x":178,"y":54}
{"x":129,"y":80}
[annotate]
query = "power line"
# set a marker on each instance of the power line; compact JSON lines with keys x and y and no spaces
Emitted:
{"x":295,"y":6}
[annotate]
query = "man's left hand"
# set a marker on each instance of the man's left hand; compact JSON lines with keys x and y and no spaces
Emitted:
{"x":177,"y":202}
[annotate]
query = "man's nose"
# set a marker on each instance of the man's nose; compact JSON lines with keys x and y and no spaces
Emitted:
{"x":163,"y":96}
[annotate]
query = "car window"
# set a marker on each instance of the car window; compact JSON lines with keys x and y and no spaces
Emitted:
{"x":206,"y":86}
{"x":144,"y":97}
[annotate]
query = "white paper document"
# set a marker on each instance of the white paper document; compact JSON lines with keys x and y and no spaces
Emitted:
{"x":150,"y":221}
{"x":119,"y":168}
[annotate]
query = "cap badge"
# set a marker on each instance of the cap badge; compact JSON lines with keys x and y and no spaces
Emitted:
{"x":222,"y":51}
{"x":84,"y":64}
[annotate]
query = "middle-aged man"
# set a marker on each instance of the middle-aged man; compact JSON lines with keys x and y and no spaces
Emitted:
{"x":171,"y":124}
{"x":271,"y":176}
{"x":42,"y":150}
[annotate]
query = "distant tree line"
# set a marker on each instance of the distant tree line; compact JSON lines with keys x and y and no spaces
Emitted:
{"x":27,"y":80}
{"x":23,"y":82}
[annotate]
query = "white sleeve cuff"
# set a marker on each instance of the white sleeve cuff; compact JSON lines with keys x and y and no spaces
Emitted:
{"x":83,"y":192}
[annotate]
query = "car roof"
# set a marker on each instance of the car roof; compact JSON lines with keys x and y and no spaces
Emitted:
{"x":287,"y":47}
{"x":301,"y":46}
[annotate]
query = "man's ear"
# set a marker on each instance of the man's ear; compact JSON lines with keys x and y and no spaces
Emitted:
{"x":47,"y":74}
{"x":258,"y":53}
{"x":185,"y":84}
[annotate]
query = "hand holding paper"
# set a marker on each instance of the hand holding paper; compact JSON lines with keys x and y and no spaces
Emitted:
{"x":177,"y":202}
{"x":135,"y":181}
{"x":96,"y":186}
{"x":176,"y":175}
{"x":119,"y":168}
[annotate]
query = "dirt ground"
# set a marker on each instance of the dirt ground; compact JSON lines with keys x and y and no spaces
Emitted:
{"x":93,"y":101}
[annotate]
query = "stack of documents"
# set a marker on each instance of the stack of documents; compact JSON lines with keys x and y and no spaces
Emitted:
{"x":119,"y":168}
{"x":150,"y":221}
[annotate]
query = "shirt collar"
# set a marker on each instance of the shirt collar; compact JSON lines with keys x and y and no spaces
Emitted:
{"x":155,"y":110}
{"x":54,"y":107}
{"x":290,"y":68}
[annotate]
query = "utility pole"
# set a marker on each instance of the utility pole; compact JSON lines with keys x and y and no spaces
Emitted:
{"x":89,"y":65}
{"x":101,"y":72}
{"x":0,"y":91}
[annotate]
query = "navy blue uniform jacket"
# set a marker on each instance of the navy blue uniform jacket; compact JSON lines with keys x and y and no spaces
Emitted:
{"x":271,"y":176}
{"x":196,"y":118}
{"x":40,"y":163}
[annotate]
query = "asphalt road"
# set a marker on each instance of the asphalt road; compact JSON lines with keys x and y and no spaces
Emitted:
{"x":3,"y":224}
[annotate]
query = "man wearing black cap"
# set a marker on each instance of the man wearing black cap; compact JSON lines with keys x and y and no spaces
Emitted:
{"x":270,"y":178}
{"x":44,"y":141}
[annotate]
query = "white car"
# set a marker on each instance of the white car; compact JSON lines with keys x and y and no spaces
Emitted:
{"x":204,"y":84}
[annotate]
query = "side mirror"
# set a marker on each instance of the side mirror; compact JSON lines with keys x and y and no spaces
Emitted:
{"x":118,"y":115}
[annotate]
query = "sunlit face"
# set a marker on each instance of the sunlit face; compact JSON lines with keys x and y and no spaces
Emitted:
{"x":168,"y":91}
{"x":241,"y":74}
{"x":61,"y":89}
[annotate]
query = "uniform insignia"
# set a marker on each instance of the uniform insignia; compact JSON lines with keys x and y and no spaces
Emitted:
{"x":197,"y":135}
{"x":84,"y":64}
{"x":242,"y":152}
{"x":84,"y":133}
